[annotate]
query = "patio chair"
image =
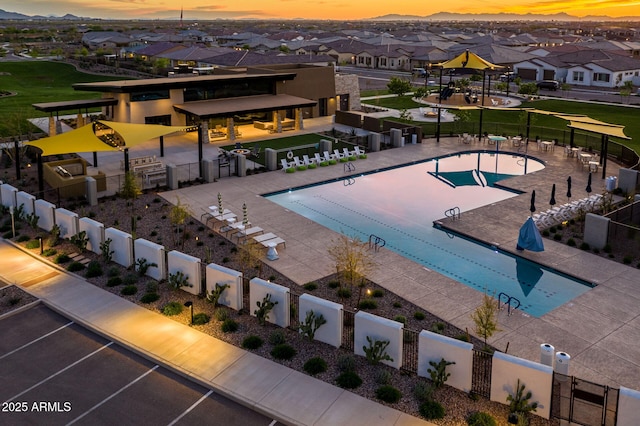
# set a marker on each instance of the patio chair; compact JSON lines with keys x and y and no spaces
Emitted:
{"x":307,"y":161}
{"x":337,"y":155}
{"x":327,"y":156}
{"x":359,"y":151}
{"x":347,"y":153}
{"x":317,"y":158}
{"x":297,"y":162}
{"x":285,"y":165}
{"x":255,"y":151}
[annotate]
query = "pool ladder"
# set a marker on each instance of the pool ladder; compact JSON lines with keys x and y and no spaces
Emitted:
{"x":376,"y":242}
{"x":349,"y":167}
{"x":508,"y":299}
{"x":453,"y":213}
{"x":348,"y":181}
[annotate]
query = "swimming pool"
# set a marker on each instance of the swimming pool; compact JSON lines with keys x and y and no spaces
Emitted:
{"x":399,"y":205}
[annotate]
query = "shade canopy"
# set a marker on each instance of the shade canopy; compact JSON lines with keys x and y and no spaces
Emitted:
{"x":469,"y":60}
{"x":85,"y":139}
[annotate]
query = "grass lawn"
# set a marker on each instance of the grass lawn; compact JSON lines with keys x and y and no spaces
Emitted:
{"x":37,"y":82}
{"x":396,"y":102}
{"x":547,"y":127}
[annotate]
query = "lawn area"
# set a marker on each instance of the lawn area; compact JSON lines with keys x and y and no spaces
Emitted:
{"x":544,"y":126}
{"x":37,"y":82}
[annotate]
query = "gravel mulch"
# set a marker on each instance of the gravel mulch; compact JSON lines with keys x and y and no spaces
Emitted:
{"x":153,"y":224}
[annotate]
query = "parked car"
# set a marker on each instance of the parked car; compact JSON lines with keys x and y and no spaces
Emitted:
{"x":420,"y":72}
{"x":508,"y":77}
{"x":548,"y":84}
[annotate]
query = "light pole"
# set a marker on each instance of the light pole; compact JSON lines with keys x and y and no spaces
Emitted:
{"x":13,"y":221}
{"x":189,"y":305}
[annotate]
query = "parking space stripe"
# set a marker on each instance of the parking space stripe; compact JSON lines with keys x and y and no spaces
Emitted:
{"x":59,"y":372}
{"x":113,"y":395}
{"x":188,"y":410}
{"x":36,"y":340}
{"x":273,"y":422}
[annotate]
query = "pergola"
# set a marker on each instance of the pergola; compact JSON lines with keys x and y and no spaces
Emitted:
{"x":470,"y":61}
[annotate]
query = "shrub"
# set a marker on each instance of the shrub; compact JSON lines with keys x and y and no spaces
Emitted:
{"x":545,"y":233}
{"x":627,"y":260}
{"x":333,"y":284}
{"x":7,"y":235}
{"x":346,"y":363}
{"x":62,"y":258}
{"x":419,"y":315}
{"x":343,"y":292}
{"x":252,"y":342}
{"x":422,"y":391}
{"x":400,"y":318}
{"x":33,"y":244}
{"x":310,"y":286}
{"x":229,"y":325}
{"x":114,"y":281}
{"x":349,"y":380}
{"x":149,"y":297}
{"x":383,"y":377}
{"x":552,"y":229}
{"x":49,"y":252}
{"x":397,"y":305}
{"x":438,"y":327}
{"x":571,"y":242}
{"x":114,"y":271}
{"x":283,"y":351}
{"x":129,"y":290}
{"x":463,"y":337}
{"x":378,"y":292}
{"x":277,"y":337}
{"x":368,"y":304}
{"x":315,"y":365}
{"x":557,"y":237}
{"x":201,"y":319}
{"x":75,"y":267}
{"x":221,"y":314}
{"x":585,"y":246}
{"x":607,"y":248}
{"x":481,"y":419}
{"x":94,"y":269}
{"x":23,"y":238}
{"x":431,"y":410}
{"x":172,"y":308}
{"x":130,"y":279}
{"x":388,"y":394}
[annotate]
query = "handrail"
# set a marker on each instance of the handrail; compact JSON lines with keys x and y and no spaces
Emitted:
{"x":348,"y":181}
{"x":376,"y":242}
{"x":349,"y":167}
{"x":507,"y":302}
{"x":453,"y":213}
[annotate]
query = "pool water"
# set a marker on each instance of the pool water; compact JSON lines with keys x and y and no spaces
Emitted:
{"x":400,"y":205}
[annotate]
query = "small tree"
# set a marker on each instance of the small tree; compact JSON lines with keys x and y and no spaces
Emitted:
{"x":178,"y":216}
{"x":485,"y":318}
{"x":130,"y":191}
{"x":519,"y":405}
{"x":353,"y":260}
{"x":399,"y":86}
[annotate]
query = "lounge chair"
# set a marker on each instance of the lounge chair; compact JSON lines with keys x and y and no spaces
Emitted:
{"x":347,"y":153}
{"x":317,"y":158}
{"x":307,"y":161}
{"x":337,"y":155}
{"x":285,"y":165}
{"x":359,"y":151}
{"x":297,"y":162}
{"x":269,"y":237}
{"x":249,"y":232}
{"x":327,"y":156}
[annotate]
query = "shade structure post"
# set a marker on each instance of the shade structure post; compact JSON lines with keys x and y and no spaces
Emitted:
{"x":161,"y":146}
{"x":95,"y":159}
{"x":200,"y":143}
{"x":528,"y":125}
{"x":603,"y":155}
{"x":572,"y":135}
{"x":40,"y":172}
{"x":439,"y":103}
{"x":126,"y":160}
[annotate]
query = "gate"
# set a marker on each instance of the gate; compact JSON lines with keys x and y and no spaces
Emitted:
{"x":582,"y":402}
{"x":481,"y":375}
{"x":410,"y":342}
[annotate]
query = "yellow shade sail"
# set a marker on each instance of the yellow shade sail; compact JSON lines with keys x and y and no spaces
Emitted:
{"x":603,"y":129}
{"x":78,"y":140}
{"x":468,"y":60}
{"x":84,"y":139}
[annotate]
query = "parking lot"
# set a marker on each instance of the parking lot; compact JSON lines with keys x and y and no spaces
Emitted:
{"x":55,"y":372}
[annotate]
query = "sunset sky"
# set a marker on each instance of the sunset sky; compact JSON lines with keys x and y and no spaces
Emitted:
{"x":309,"y":9}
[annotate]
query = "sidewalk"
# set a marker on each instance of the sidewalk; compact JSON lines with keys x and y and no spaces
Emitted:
{"x":258,"y":383}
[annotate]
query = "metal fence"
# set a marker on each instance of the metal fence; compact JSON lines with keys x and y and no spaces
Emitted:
{"x":410,"y":350}
{"x":582,"y":402}
{"x":348,"y":324}
{"x":481,"y":373}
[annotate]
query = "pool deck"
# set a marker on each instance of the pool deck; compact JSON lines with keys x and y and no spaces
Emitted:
{"x":600,"y":329}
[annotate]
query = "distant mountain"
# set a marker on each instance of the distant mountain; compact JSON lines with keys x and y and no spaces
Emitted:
{"x":448,"y":16}
{"x":13,"y":16}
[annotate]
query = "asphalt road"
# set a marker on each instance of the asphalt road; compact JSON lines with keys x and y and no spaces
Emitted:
{"x":55,"y":372}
